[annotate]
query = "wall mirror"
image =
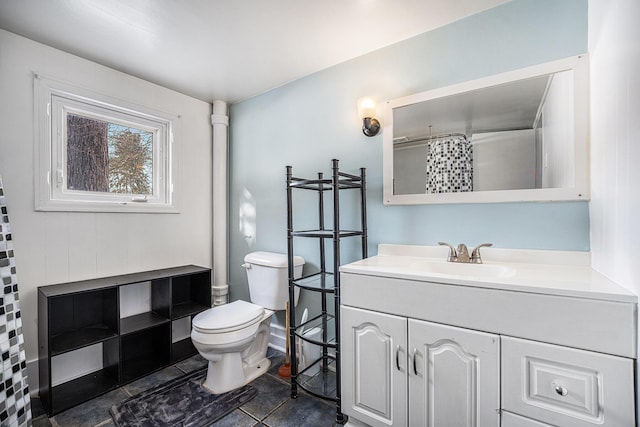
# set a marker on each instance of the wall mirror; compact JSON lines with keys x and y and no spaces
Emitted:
{"x":511,"y":137}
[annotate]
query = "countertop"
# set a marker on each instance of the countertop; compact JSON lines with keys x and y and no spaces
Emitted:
{"x":566,"y":273}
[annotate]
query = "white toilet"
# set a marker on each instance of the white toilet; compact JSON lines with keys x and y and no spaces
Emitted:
{"x":234,"y":337}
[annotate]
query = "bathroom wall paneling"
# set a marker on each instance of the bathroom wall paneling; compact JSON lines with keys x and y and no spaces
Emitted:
{"x":614,"y":92}
{"x":60,"y":247}
{"x":76,"y":316}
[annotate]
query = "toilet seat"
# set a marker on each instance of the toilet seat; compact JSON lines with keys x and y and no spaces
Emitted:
{"x":228,"y":317}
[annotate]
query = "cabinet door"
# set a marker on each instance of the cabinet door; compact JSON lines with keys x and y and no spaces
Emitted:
{"x":454,"y":376}
{"x":374,"y":363}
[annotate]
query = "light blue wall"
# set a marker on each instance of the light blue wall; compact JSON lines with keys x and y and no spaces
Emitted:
{"x":310,"y":121}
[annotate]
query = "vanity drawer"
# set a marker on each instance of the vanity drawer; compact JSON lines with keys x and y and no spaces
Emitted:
{"x":512,"y":420}
{"x":565,"y":386}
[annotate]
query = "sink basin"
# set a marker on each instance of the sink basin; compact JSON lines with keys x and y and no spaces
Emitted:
{"x":462,"y":269}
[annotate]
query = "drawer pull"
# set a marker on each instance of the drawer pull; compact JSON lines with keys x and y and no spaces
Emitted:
{"x":398,"y":357}
{"x":562,"y":391}
{"x":415,"y":365}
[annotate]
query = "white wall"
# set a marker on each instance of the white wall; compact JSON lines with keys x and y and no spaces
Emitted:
{"x":312,"y":120}
{"x":57,"y":247}
{"x":614,"y":49}
{"x":558,"y":168}
{"x":410,"y":169}
{"x":504,"y":160}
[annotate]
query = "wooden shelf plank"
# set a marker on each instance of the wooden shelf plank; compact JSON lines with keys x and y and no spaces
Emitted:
{"x":187,"y":309}
{"x":140,"y":321}
{"x":115,"y":281}
{"x":78,"y":338}
{"x":71,"y":393}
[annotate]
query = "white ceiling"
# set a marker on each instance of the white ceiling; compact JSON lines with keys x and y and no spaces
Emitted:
{"x":226,"y":49}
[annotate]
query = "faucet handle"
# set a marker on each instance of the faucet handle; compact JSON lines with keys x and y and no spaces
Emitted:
{"x":475,"y":254}
{"x":453,"y":255}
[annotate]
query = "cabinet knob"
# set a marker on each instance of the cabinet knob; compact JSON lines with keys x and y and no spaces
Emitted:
{"x":562,"y":391}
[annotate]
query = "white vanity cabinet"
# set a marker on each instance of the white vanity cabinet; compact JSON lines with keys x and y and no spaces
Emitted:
{"x":374,"y":369}
{"x":546,"y":346}
{"x":410,"y":372}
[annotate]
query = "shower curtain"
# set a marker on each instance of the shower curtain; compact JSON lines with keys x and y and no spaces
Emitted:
{"x":15,"y":405}
{"x":449,"y":165}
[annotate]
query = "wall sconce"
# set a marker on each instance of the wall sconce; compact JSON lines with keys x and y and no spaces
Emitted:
{"x":367,"y":111}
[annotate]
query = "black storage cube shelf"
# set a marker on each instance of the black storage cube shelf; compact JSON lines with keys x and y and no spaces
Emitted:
{"x":161,"y":297}
{"x":145,"y":351}
{"x":182,"y":349}
{"x":188,"y":296}
{"x":91,"y":385}
{"x":82,"y":319}
{"x":73,"y":316}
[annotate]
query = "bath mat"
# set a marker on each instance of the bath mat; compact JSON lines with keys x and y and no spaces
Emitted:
{"x":179,"y":402}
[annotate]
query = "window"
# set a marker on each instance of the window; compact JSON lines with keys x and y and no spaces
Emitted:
{"x":96,"y":153}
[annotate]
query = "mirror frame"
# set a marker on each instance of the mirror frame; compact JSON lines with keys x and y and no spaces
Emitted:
{"x":580,"y":190}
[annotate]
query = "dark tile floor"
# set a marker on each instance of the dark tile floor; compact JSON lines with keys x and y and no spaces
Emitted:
{"x":272,"y":407}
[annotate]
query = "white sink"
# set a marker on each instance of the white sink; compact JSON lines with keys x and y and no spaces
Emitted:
{"x":566,"y":273}
{"x":463,"y":269}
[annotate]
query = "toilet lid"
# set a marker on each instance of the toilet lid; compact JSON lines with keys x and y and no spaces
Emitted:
{"x":228,"y":317}
{"x":271,"y":259}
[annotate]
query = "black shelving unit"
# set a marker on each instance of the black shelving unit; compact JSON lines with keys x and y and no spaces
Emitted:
{"x":77,"y":315}
{"x":326,"y":383}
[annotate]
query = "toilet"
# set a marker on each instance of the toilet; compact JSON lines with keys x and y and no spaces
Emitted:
{"x":234,"y":337}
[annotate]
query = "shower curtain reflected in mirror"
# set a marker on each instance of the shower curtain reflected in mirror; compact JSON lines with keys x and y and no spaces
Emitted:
{"x":449,"y":165}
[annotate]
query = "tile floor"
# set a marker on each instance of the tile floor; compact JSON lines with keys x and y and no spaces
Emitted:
{"x":272,"y":407}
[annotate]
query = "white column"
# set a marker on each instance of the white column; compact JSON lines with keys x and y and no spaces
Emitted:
{"x":220,"y":122}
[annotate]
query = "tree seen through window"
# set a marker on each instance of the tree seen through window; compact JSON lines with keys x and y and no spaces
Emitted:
{"x":108,"y":157}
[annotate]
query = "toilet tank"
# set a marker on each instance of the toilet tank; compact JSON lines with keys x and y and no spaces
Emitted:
{"x":268,"y":278}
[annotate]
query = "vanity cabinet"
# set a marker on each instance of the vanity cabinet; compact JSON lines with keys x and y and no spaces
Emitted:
{"x":95,"y":335}
{"x":420,"y":352}
{"x":410,"y":372}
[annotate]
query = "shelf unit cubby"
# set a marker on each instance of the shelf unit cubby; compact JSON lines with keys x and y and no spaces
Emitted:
{"x":83,"y":319}
{"x":82,"y":316}
{"x":145,"y":351}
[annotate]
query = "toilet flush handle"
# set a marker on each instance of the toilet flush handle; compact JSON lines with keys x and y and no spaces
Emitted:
{"x":246,"y":265}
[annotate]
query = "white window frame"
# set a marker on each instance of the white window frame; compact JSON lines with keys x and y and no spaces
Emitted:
{"x":54,"y":100}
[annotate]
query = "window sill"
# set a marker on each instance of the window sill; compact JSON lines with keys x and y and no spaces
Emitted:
{"x":122,"y":207}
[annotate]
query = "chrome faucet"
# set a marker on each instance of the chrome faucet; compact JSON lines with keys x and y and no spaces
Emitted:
{"x":461,"y":254}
